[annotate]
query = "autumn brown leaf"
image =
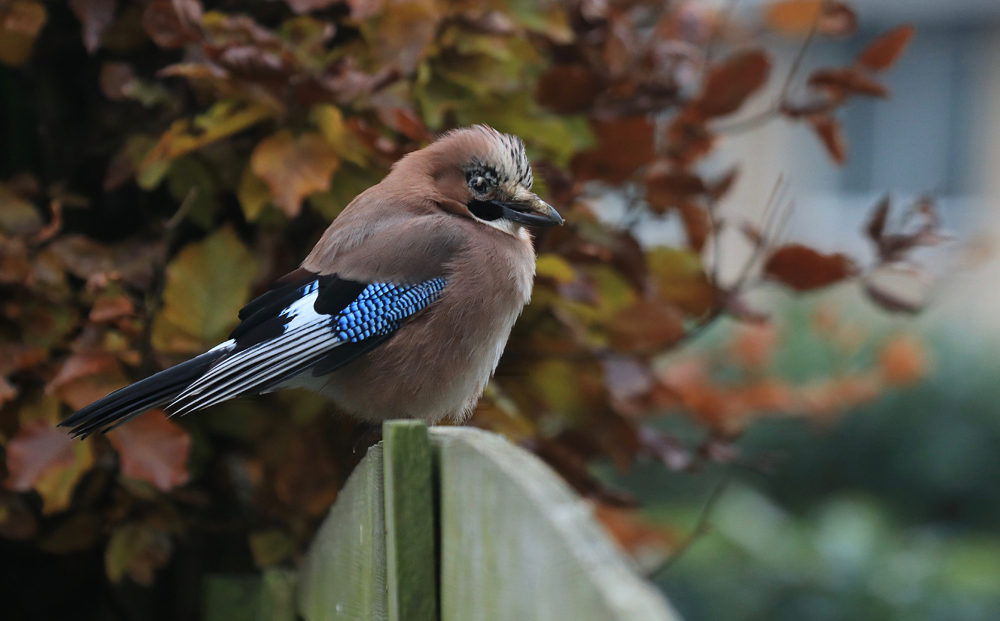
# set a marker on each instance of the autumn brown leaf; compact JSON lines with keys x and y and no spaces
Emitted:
{"x":667,"y":188}
{"x":623,"y":146}
{"x":43,"y":457}
{"x":697,"y":224}
{"x":845,"y":81}
{"x":828,"y":129}
{"x":804,"y":269}
{"x":154,"y":449}
{"x":884,"y":51}
{"x":877,"y":221}
{"x":294,"y":168}
{"x":166,"y":27}
{"x":86,"y":377}
{"x":730,"y":84}
{"x":567,"y":88}
{"x":111,"y":308}
{"x":646,"y":326}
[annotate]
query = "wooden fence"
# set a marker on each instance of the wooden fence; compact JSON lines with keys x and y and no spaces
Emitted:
{"x":455,"y":524}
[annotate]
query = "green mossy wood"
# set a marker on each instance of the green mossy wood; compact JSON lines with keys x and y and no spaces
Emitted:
{"x":409,"y":522}
{"x":344,"y":574}
{"x":514,"y":542}
{"x":517,"y":543}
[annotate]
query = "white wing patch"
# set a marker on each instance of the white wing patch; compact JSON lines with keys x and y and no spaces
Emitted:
{"x":306,"y":338}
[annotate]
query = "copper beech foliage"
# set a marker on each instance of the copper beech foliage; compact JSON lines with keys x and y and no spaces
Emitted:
{"x":239,"y":131}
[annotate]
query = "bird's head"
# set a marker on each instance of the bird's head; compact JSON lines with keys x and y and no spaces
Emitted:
{"x":482,"y":174}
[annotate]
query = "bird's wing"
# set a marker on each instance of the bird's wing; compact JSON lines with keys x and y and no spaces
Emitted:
{"x":307,"y":321}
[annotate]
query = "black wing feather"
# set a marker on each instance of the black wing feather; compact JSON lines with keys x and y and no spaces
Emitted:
{"x":154,"y":391}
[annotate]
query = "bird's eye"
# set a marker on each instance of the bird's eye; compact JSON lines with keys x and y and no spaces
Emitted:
{"x":479,"y":185}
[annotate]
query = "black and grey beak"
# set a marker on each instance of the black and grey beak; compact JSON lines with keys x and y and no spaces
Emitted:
{"x":533,"y":212}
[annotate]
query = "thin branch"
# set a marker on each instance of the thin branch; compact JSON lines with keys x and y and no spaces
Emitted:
{"x":750,"y":123}
{"x":799,"y":57}
{"x":701,"y":529}
{"x":713,"y":37}
{"x":767,"y":221}
{"x":181,"y":212}
{"x":774,"y":111}
{"x":155,"y":297}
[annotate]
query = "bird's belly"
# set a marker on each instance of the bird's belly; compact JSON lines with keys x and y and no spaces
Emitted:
{"x":405,"y":379}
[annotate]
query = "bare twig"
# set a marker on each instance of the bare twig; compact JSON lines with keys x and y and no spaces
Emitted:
{"x":724,"y":16}
{"x":799,"y":57}
{"x":771,"y":212}
{"x":181,"y":212}
{"x":701,"y":529}
{"x":155,"y":298}
{"x":774,"y":110}
{"x":750,"y":123}
{"x":53,"y":227}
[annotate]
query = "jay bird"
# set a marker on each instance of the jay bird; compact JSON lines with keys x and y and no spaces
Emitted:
{"x":402,"y":308}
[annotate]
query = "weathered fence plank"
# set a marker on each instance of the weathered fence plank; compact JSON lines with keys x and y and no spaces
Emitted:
{"x":507,"y":541}
{"x":344,"y":576}
{"x":409,"y":522}
{"x":517,"y":543}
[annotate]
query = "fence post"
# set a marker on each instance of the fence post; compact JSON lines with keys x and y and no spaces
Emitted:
{"x":409,"y":521}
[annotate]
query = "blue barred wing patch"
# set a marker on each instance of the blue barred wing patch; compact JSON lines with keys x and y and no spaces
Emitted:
{"x":308,"y":337}
{"x":381,"y":308}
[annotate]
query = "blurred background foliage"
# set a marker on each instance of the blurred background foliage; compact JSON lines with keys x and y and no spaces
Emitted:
{"x":163,"y":161}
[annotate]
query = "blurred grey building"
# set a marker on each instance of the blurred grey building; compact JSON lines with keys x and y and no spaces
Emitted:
{"x":939,"y":132}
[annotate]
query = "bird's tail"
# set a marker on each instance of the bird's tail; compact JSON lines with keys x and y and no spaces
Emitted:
{"x":153,"y":392}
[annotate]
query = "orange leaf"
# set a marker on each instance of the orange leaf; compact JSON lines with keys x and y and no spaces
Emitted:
{"x":804,"y":269}
{"x":647,"y":543}
{"x":754,"y":345}
{"x":86,"y":377}
{"x":732,"y":82}
{"x":903,"y":361}
{"x":765,"y":396}
{"x":884,"y":51}
{"x":294,"y":168}
{"x":828,"y":130}
{"x":797,"y":17}
{"x":154,"y":449}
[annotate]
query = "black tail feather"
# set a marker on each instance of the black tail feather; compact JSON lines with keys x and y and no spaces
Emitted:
{"x":154,"y":391}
